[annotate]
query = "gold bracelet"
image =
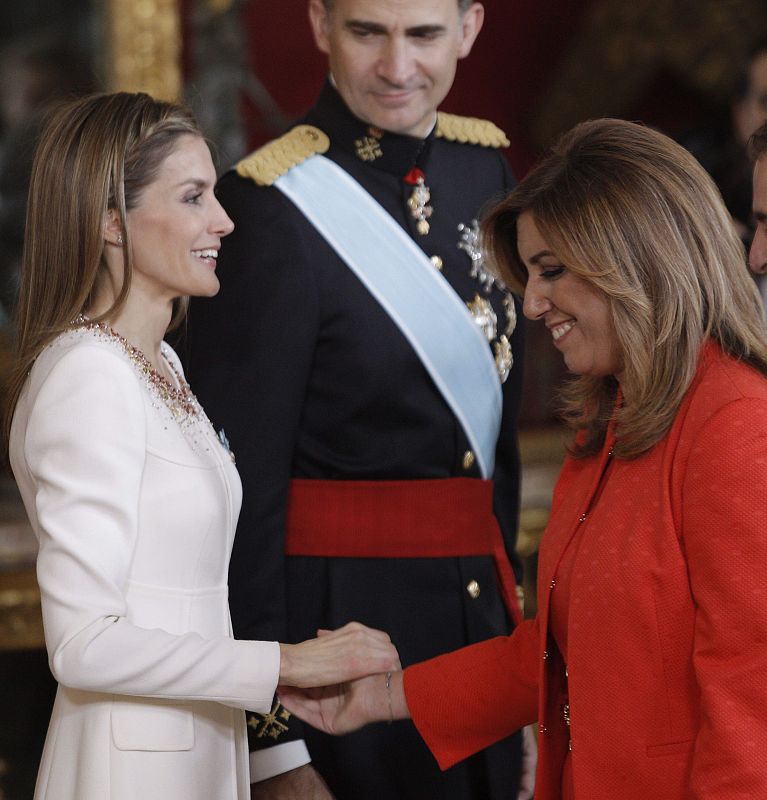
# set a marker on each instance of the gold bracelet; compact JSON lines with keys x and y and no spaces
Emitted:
{"x":388,"y":695}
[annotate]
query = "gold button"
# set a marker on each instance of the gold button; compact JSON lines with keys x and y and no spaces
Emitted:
{"x":473,"y":589}
{"x":437,"y":261}
{"x":468,"y":459}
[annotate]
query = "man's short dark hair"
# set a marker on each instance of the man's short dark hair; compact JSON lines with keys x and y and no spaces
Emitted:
{"x":757,"y":144}
{"x":463,"y":5}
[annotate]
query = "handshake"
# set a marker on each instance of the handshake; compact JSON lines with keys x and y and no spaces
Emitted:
{"x":343,"y":679}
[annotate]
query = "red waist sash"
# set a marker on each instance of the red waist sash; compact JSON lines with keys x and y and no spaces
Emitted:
{"x":398,"y":519}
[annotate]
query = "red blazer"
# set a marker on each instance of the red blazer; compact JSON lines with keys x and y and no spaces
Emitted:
{"x":667,"y":635}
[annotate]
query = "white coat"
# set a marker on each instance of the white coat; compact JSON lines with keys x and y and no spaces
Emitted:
{"x":135,"y":514}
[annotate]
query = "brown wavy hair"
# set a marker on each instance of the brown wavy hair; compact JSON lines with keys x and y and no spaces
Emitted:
{"x":631,"y":212}
{"x":96,"y":154}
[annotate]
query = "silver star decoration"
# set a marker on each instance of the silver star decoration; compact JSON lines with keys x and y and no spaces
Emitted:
{"x":469,"y":243}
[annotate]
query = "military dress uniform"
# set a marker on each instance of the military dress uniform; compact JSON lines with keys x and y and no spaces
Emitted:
{"x":315,"y":386}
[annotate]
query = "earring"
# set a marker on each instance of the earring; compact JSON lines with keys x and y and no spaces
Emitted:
{"x":119,"y":240}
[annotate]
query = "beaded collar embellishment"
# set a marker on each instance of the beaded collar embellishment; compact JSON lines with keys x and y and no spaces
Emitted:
{"x":179,"y":400}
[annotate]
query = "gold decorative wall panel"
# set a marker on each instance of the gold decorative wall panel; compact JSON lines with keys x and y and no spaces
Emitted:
{"x":144,"y":49}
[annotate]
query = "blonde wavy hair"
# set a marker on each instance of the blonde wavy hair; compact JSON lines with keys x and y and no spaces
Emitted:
{"x":631,"y":212}
{"x":96,"y":154}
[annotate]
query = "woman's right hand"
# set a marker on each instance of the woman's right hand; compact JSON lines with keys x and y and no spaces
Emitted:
{"x":337,"y":656}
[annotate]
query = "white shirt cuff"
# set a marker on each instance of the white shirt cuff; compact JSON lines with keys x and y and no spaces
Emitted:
{"x":277,"y":759}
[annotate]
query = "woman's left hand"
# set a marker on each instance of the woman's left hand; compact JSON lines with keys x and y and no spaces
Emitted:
{"x":333,"y":709}
{"x":348,"y":706}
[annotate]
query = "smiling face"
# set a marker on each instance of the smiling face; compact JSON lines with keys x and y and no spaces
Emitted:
{"x":393,"y":61}
{"x":576,"y":313}
{"x":176,"y":228}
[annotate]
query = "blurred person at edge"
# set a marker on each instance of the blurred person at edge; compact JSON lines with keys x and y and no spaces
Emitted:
{"x":757,"y":146}
{"x":645,"y":667}
{"x":749,"y":111}
{"x":131,"y":494}
{"x":722,"y":149}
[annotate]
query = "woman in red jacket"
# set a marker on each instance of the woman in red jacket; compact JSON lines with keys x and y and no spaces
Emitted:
{"x":646,"y":666}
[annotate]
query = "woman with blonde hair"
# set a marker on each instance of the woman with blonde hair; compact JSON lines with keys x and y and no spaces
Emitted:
{"x":645,"y":664}
{"x":133,"y":497}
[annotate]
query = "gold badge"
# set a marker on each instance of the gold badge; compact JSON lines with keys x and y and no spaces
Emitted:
{"x":484,"y":316}
{"x":504,"y":360}
{"x":511,"y":313}
{"x":368,"y":148}
{"x":418,"y":202}
{"x":273,"y":724}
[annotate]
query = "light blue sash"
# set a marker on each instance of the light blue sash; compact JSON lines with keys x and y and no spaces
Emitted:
{"x":427,"y":310}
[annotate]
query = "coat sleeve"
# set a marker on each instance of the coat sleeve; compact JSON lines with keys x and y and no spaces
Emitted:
{"x":466,"y":700}
{"x":85,"y":448}
{"x":724,"y":510}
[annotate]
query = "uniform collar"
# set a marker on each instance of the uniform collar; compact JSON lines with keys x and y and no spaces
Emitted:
{"x":390,"y":152}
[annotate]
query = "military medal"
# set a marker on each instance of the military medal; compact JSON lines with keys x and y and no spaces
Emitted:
{"x":419,"y":199}
{"x":469,"y":243}
{"x":225,"y":444}
{"x":368,"y":148}
{"x":484,"y":316}
{"x":511,"y":313}
{"x":504,"y":359}
{"x":480,"y":308}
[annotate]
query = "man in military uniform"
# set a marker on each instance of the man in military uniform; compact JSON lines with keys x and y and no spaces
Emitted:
{"x":359,"y":360}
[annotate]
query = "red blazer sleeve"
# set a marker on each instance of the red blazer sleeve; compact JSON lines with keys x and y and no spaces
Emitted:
{"x":464,"y":701}
{"x":724,"y":529}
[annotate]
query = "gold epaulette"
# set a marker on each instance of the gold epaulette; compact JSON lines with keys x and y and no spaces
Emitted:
{"x":275,"y":158}
{"x":470,"y":130}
